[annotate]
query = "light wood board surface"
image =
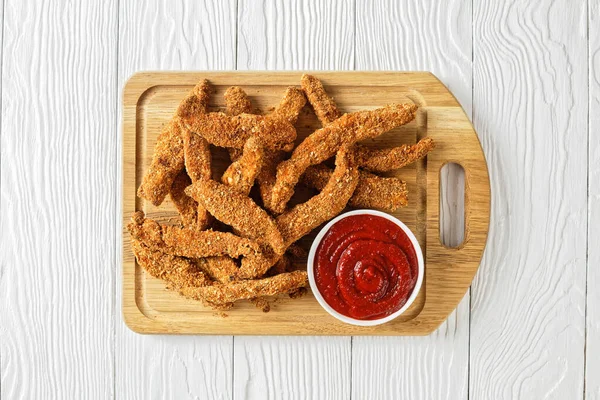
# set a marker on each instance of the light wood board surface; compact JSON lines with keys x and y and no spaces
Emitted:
{"x":60,"y":95}
{"x":149,"y":101}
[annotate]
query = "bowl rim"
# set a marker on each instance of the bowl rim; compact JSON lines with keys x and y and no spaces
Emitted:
{"x":362,"y":322}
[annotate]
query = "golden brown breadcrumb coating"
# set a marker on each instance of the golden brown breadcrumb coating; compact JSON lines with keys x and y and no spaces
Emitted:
{"x":290,"y":106}
{"x":168,"y":159}
{"x":185,"y":205}
{"x":324,"y":143}
{"x":188,"y":242}
{"x":177,"y":271}
{"x":372,"y":191}
{"x":305,"y":217}
{"x":233,"y":208}
{"x":248,"y":289}
{"x":268,"y":175}
{"x":222,"y":269}
{"x":241,"y":174}
{"x":197,"y":160}
{"x":382,"y":160}
{"x":222,"y":130}
{"x":322,"y":103}
{"x":257,"y":264}
{"x":237,"y":101}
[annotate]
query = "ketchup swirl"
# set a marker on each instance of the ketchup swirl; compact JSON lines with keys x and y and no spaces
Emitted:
{"x":366,"y":267}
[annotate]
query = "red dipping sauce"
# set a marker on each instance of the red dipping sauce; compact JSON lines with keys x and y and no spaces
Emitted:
{"x":366,"y":267}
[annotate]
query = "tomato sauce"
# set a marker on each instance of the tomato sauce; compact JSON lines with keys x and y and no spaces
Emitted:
{"x":366,"y":267}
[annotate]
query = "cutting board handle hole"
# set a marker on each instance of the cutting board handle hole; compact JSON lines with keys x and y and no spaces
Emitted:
{"x":452,"y":205}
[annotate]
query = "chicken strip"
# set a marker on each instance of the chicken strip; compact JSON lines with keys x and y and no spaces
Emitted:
{"x":187,"y":242}
{"x":197,"y":156}
{"x":382,"y":160}
{"x":222,"y":269}
{"x":176,"y":271}
{"x":261,"y":263}
{"x":321,"y":102}
{"x":305,"y":217}
{"x":238,"y":290}
{"x":290,"y":106}
{"x":237,"y":102}
{"x":386,"y":194}
{"x":241,"y":174}
{"x":324,"y":142}
{"x":268,"y":175}
{"x":257,"y":264}
{"x":185,"y":205}
{"x":168,"y":158}
{"x":233,"y":208}
{"x":372,"y":191}
{"x":197,"y":159}
{"x":222,"y":130}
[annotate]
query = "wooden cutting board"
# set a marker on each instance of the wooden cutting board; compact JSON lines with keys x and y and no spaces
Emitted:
{"x":149,"y":101}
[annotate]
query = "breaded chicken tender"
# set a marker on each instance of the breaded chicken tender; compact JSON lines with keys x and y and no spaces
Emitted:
{"x":382,"y":160}
{"x":305,"y":217}
{"x":290,"y":106}
{"x":222,"y":130}
{"x":322,"y":103}
{"x":372,"y":191}
{"x":324,"y":143}
{"x":233,"y":208}
{"x":185,"y":205}
{"x":168,"y":158}
{"x":237,"y":101}
{"x":177,"y":271}
{"x":187,"y":242}
{"x":248,"y":289}
{"x":241,"y":173}
{"x":222,"y":269}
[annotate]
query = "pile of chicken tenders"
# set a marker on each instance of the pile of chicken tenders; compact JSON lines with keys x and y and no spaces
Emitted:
{"x":232,"y":246}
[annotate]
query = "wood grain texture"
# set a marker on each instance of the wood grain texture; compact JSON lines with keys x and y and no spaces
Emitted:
{"x":294,"y":367}
{"x":58,"y":195}
{"x":437,"y":38}
{"x":530,"y":108}
{"x":430,"y":367}
{"x":163,"y":35}
{"x":592,"y":376}
{"x":297,"y":35}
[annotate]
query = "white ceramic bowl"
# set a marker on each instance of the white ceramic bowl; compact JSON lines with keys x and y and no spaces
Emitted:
{"x":361,"y":322}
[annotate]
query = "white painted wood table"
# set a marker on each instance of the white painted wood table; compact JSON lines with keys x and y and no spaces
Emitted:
{"x":526,"y":72}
